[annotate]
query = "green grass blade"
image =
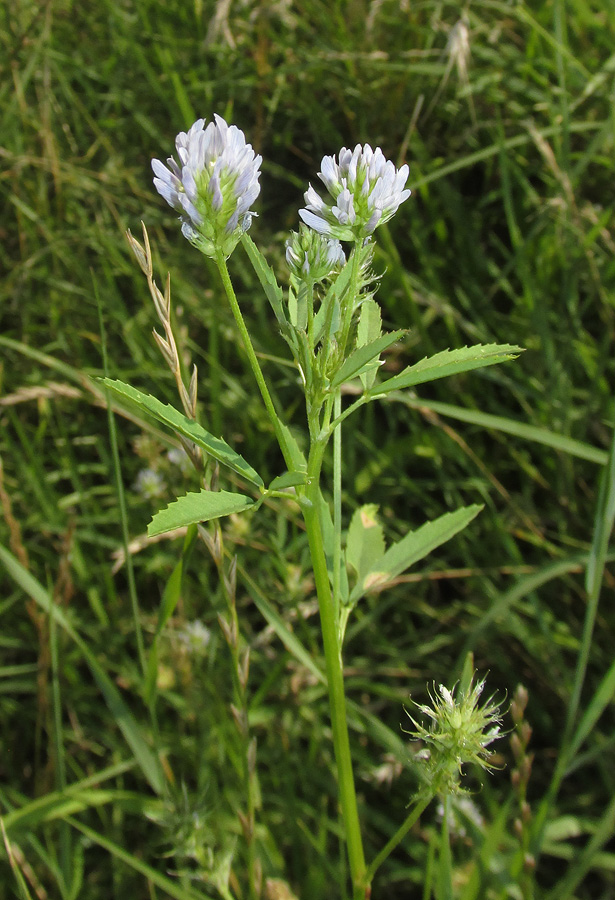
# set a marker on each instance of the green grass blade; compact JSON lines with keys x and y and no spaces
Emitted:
{"x":509,"y":426}
{"x":125,"y":720}
{"x":172,"y":888}
{"x":596,"y":706}
{"x":584,"y":859}
{"x":24,"y":893}
{"x":60,"y":804}
{"x":603,"y":526}
{"x":290,"y":640}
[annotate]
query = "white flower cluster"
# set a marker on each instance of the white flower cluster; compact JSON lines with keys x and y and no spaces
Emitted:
{"x":213,"y":186}
{"x":367,"y":191}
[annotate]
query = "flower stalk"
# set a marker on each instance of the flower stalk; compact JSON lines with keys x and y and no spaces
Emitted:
{"x":335,"y":674}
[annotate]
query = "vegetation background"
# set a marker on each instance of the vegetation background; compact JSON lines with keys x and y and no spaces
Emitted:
{"x":505,"y":114}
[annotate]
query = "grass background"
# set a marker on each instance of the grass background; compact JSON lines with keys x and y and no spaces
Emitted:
{"x":508,"y":237}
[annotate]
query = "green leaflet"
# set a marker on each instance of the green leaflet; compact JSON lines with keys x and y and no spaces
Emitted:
{"x":365,"y":540}
{"x":265,"y":275}
{"x":356,"y":363}
{"x":286,"y":480}
{"x":296,"y":453}
{"x":411,"y":548}
{"x":369,"y":329}
{"x":163,"y":412}
{"x":201,"y":507}
{"x":448,"y":362}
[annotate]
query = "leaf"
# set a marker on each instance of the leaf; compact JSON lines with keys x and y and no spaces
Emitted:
{"x":413,"y":547}
{"x":286,"y":480}
{"x":359,"y":359}
{"x":525,"y":432}
{"x":298,"y":307}
{"x":365,"y":540}
{"x":201,"y":507}
{"x":448,"y":362}
{"x":296,"y":453}
{"x":269,"y":284}
{"x":330,"y":306}
{"x":163,"y":412}
{"x":125,"y":720}
{"x":369,"y":329}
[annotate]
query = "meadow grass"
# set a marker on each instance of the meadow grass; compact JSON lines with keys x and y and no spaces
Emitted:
{"x":508,"y":238}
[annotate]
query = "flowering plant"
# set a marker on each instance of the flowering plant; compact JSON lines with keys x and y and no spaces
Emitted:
{"x":332,"y":325}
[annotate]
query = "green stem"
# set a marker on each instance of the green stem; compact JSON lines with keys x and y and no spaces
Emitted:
{"x":363,"y":399}
{"x":399,"y":835}
{"x":254,"y":363}
{"x":309,"y":285}
{"x":445,"y":871}
{"x":337,"y":505}
{"x":335,"y":675}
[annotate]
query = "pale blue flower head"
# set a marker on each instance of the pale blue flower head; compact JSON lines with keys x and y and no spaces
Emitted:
{"x":366,"y":189}
{"x":313,"y":256}
{"x":213,"y":186}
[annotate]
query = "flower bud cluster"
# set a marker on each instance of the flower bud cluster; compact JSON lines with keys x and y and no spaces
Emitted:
{"x":213,"y":186}
{"x":313,"y":256}
{"x":366,"y":190}
{"x":459,"y":732}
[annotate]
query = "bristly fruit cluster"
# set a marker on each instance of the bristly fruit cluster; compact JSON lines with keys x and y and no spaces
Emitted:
{"x":459,"y":733}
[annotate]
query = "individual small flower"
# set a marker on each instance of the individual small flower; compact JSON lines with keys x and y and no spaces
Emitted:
{"x":214,"y":185}
{"x":312,"y":255}
{"x":149,"y":484}
{"x":195,"y":636}
{"x":459,"y":733}
{"x":366,"y":189}
{"x":177,"y":456}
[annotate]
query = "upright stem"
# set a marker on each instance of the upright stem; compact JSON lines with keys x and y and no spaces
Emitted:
{"x":335,"y":675}
{"x":337,"y":504}
{"x":254,"y":363}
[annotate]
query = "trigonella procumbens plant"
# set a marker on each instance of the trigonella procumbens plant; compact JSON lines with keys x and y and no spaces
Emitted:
{"x":332,"y":325}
